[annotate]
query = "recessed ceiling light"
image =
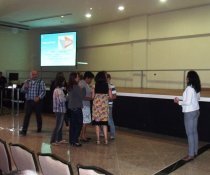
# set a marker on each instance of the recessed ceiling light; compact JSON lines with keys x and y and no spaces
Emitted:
{"x":88,"y":15}
{"x":62,"y":16}
{"x":91,"y":8}
{"x":163,"y":1}
{"x":121,"y":8}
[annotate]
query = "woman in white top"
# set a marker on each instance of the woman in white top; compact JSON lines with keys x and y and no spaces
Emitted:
{"x":190,"y":108}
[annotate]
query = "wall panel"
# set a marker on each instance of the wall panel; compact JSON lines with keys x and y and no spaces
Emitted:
{"x":180,"y":23}
{"x":191,"y":53}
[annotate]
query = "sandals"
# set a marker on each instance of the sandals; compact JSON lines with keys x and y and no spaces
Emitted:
{"x":55,"y":143}
{"x":63,"y":142}
{"x":105,"y":142}
{"x":76,"y":144}
{"x":84,"y":140}
{"x":188,"y":158}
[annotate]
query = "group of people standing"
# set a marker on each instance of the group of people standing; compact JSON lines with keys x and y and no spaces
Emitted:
{"x":77,"y":100}
{"x":76,"y":96}
{"x":72,"y":102}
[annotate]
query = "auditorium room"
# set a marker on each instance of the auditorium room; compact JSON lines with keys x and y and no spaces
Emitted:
{"x":105,"y":87}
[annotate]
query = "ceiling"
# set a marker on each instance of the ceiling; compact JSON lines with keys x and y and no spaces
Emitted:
{"x":29,"y":14}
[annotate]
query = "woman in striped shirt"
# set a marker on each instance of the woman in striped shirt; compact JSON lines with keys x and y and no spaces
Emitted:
{"x":59,"y":108}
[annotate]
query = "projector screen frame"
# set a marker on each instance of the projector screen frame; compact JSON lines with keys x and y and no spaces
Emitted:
{"x":73,"y":49}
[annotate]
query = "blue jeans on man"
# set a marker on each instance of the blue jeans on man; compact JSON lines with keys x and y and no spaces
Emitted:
{"x":111,"y":123}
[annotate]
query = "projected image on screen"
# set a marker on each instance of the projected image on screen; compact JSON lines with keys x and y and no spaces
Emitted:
{"x":58,"y":49}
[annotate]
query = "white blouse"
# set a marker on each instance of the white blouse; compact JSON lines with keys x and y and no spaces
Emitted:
{"x":190,"y":100}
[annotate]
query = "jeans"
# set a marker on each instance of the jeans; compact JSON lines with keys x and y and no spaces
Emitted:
{"x":191,"y":122}
{"x":30,"y":106}
{"x":111,"y":123}
{"x":57,"y":132}
{"x":76,"y":122}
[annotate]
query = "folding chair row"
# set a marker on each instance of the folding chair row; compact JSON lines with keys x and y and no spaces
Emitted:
{"x":24,"y":158}
{"x":53,"y":165}
{"x":50,"y":164}
{"x":5,"y":162}
{"x":91,"y":170}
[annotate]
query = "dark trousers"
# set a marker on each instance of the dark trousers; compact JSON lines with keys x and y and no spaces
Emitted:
{"x":67,"y":117}
{"x":29,"y":107}
{"x":57,"y":132}
{"x":76,"y":122}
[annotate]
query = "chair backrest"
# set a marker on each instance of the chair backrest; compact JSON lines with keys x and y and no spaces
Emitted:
{"x":5,"y":161}
{"x":91,"y":170}
{"x":23,"y":157}
{"x":54,"y":165}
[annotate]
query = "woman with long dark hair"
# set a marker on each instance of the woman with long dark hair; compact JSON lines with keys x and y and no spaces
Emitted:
{"x":75,"y":97}
{"x":190,"y":108}
{"x":59,"y":108}
{"x":101,"y":94}
{"x":64,"y":86}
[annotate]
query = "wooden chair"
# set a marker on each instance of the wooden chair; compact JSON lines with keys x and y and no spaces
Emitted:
{"x":91,"y":170}
{"x":5,"y":161}
{"x":54,"y":165}
{"x":23,"y":157}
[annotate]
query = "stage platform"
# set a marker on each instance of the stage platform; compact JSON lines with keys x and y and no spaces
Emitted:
{"x":153,"y":110}
{"x":151,"y":92}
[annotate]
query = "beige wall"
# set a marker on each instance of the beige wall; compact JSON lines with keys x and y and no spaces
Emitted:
{"x":19,"y":51}
{"x":171,"y":40}
{"x":14,"y":50}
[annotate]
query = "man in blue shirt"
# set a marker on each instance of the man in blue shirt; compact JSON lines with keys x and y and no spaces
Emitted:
{"x":34,"y":89}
